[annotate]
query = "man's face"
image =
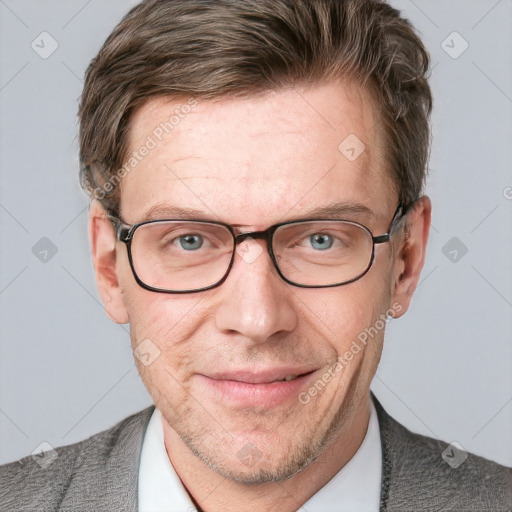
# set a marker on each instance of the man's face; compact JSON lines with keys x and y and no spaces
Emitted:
{"x":252,"y":163}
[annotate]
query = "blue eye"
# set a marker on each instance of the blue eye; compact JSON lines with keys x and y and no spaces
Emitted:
{"x":321,"y":241}
{"x":190,"y":242}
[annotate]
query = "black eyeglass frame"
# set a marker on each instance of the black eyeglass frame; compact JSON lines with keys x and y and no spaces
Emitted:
{"x":125,"y":232}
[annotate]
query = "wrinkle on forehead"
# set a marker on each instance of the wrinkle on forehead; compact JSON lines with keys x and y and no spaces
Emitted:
{"x":250,"y":157}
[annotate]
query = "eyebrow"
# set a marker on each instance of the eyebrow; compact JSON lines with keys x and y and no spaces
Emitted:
{"x":336,"y":210}
{"x":339,"y":210}
{"x":167,"y":211}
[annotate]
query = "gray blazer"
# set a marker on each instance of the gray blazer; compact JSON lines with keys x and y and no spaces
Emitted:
{"x":100,"y":474}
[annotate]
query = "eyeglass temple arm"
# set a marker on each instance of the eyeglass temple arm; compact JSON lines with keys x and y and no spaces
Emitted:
{"x":399,"y":214}
{"x":121,"y":227}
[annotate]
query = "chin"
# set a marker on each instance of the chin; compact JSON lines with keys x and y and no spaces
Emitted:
{"x":262,"y":472}
{"x":263,"y":476}
{"x":250,"y":466}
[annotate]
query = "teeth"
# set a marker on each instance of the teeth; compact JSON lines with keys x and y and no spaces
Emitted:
{"x":290,"y":377}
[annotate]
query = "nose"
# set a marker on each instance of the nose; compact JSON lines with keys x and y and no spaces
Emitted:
{"x":254,"y":301}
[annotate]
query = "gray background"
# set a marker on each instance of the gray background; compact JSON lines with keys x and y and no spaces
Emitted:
{"x":67,"y":371}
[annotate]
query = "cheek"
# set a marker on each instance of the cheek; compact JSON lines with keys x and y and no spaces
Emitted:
{"x":163,"y":326}
{"x":163,"y":322}
{"x":346,"y":310}
{"x":351,"y":315}
{"x":151,"y":314}
{"x":168,"y":320}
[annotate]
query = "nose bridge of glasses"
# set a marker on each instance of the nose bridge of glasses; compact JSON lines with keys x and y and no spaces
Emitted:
{"x":256,"y":235}
{"x":251,"y":252}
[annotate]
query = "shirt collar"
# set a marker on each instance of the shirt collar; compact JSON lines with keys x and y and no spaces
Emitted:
{"x":160,"y":488}
{"x":356,"y":488}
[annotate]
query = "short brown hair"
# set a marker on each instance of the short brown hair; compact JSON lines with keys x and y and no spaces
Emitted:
{"x":213,"y":48}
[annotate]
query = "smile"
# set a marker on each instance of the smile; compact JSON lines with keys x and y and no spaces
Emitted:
{"x":267,"y":389}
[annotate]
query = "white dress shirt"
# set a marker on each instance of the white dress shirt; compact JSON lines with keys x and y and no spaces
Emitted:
{"x":356,"y":488}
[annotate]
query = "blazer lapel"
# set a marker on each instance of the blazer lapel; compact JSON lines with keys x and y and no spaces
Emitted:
{"x":105,"y":476}
{"x":414,"y":475}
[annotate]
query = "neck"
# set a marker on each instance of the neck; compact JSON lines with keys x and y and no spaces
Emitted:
{"x":213,"y":492}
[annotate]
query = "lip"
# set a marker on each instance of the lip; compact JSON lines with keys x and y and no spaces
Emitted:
{"x":263,"y":389}
{"x":265,"y":376}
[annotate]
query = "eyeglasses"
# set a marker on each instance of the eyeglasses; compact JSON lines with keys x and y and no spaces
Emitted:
{"x":185,"y":256}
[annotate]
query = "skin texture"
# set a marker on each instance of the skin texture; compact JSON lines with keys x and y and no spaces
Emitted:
{"x":252,"y":163}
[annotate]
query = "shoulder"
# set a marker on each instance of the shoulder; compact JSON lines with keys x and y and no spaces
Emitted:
{"x":429,"y":474}
{"x":74,"y":471}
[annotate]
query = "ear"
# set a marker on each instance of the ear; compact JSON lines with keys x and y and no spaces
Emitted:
{"x":411,"y":246}
{"x":104,"y":256}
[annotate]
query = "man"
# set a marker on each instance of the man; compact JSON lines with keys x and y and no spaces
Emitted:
{"x":256,"y":173}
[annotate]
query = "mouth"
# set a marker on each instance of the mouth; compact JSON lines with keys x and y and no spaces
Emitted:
{"x":288,"y":378}
{"x":264,"y":388}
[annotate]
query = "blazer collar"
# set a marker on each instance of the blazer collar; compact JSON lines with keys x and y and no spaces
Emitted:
{"x":112,"y":481}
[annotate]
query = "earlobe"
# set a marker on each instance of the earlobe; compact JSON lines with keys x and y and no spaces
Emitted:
{"x":104,"y":255}
{"x":410,"y":252}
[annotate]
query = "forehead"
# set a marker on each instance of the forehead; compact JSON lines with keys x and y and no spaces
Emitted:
{"x":258,"y":160}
